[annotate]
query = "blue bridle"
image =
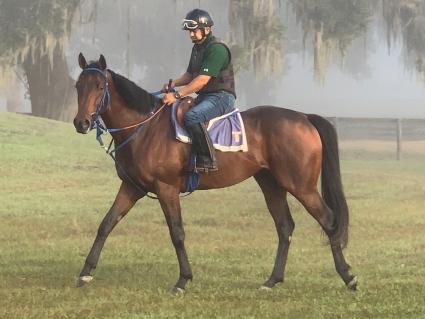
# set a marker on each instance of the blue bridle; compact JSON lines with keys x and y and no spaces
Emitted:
{"x":106,"y":96}
{"x":99,"y":126}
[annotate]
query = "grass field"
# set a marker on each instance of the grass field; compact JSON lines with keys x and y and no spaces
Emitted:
{"x":56,"y":187}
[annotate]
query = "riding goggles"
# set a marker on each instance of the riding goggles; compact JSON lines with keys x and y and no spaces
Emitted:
{"x":189,"y":24}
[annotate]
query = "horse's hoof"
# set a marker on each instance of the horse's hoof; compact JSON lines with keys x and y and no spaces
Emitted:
{"x":353,"y":283}
{"x":269,"y":284}
{"x":83,"y":280}
{"x":266,"y":288}
{"x":177,"y":291}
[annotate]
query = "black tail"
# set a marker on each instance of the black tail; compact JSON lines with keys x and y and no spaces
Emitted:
{"x":332,"y":190}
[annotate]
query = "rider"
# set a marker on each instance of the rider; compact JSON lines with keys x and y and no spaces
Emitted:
{"x":210,"y":75}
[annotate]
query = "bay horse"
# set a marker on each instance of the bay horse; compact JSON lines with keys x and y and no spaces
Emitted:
{"x":287,"y":152}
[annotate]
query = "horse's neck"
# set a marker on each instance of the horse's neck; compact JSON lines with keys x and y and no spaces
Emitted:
{"x":119,"y":114}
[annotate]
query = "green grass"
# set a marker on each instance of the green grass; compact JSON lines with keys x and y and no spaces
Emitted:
{"x":56,"y":186}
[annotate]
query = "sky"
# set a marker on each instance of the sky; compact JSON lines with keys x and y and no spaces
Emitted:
{"x":389,"y":91}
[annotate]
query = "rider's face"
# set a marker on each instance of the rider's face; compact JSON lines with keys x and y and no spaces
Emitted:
{"x":196,"y":35}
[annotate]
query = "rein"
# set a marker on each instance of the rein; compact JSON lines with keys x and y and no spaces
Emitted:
{"x":102,"y":129}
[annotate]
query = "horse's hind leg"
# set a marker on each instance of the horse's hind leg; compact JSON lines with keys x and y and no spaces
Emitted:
{"x":277,"y":204}
{"x":317,"y":207}
{"x":126,"y":198}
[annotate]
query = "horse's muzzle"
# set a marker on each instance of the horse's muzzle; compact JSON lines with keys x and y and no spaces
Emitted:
{"x":82,"y":125}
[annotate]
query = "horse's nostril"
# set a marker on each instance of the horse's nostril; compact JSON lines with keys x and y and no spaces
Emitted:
{"x":86,"y":124}
{"x":82,"y":125}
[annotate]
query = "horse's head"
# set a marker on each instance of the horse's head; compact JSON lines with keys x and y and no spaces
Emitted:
{"x":93,"y":94}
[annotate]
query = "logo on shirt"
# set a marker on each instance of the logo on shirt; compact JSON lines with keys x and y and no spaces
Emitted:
{"x":205,"y":70}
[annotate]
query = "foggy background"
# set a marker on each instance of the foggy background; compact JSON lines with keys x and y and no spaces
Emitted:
{"x":337,"y":58}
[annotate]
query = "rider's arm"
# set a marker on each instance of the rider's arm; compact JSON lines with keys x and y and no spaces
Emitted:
{"x":183,"y":80}
{"x":195,"y":85}
{"x":216,"y":58}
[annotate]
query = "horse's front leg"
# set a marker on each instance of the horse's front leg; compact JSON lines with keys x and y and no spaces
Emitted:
{"x":168,"y":196}
{"x":126,"y":198}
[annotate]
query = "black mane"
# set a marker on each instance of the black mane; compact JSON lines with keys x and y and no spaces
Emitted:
{"x":136,"y":98}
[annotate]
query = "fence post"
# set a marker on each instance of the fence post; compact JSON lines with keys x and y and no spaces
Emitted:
{"x":399,"y":138}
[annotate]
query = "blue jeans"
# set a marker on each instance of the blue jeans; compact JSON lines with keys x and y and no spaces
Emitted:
{"x":209,"y":106}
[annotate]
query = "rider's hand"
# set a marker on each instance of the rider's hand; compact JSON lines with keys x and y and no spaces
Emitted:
{"x":165,"y":88}
{"x":169,"y":98}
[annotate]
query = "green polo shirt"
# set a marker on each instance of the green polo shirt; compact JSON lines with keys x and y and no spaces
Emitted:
{"x":215,"y":59}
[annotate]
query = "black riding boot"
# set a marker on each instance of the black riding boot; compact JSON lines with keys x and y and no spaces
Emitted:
{"x":203,"y":148}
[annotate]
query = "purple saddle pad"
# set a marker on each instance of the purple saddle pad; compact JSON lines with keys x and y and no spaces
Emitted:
{"x":227,"y":132}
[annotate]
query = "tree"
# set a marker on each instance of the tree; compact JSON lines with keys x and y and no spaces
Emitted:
{"x":334,"y":24}
{"x":406,"y":20}
{"x":33,"y":38}
{"x":261,"y":44}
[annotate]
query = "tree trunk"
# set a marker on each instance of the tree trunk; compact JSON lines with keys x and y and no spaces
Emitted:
{"x":13,"y":98}
{"x":50,"y":86}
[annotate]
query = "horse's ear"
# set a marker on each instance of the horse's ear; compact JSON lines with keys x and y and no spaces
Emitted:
{"x":82,"y":61}
{"x":102,"y":62}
